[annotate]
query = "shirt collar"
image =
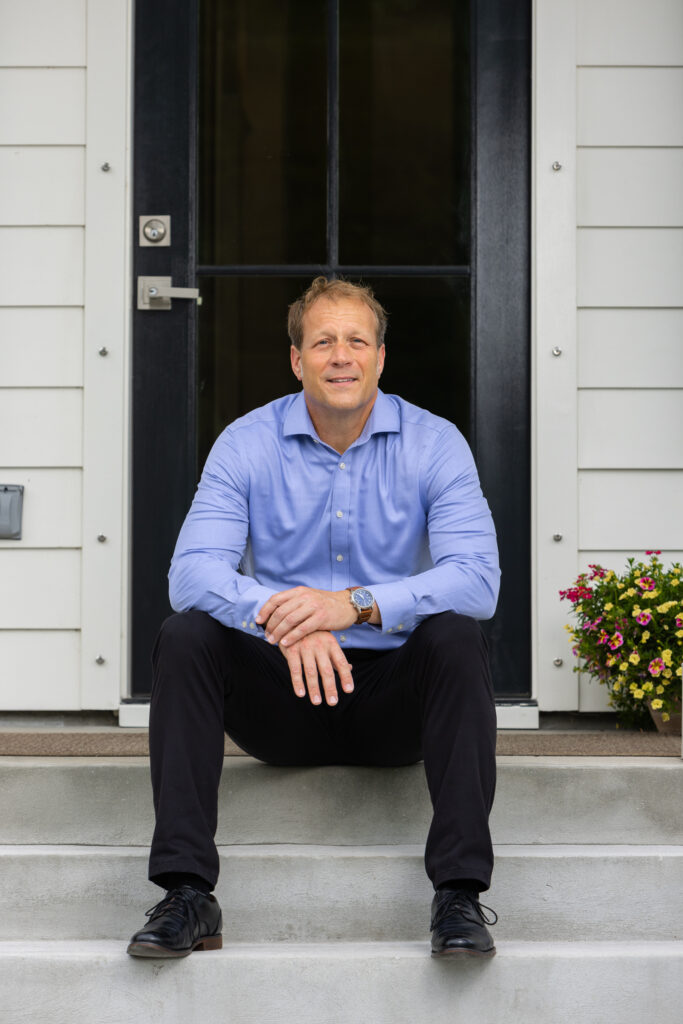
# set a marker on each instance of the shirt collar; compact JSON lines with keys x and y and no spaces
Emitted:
{"x":384,"y":418}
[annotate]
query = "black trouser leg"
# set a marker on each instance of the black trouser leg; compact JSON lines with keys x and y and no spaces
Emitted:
{"x":433,"y":694}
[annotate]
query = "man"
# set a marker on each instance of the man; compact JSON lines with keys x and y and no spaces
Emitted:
{"x":349,"y":636}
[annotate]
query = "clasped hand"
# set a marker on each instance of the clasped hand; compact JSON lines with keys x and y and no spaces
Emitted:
{"x":299,"y":621}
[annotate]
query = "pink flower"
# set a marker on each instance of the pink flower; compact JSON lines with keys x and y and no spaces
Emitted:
{"x":603,"y":637}
{"x":679,"y":622}
{"x":656,"y":667}
{"x":644,"y":618}
{"x":646,"y":583}
{"x":653,"y":552}
{"x":616,"y":642}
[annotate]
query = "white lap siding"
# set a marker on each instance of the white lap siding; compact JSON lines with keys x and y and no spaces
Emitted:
{"x":63,"y":112}
{"x":629,"y":283}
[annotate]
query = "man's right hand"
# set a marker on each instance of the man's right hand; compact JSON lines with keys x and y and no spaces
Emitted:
{"x":312,"y":662}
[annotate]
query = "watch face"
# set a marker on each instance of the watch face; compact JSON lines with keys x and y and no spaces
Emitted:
{"x":362,"y":598}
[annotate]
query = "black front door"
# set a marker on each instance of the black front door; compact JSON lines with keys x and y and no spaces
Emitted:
{"x":385,"y":140}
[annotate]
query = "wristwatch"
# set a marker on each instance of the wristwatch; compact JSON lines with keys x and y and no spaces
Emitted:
{"x":363,"y":601}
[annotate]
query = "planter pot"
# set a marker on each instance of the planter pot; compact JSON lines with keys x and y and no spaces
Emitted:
{"x":670,"y":728}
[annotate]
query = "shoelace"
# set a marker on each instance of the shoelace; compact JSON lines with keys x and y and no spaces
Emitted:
{"x":177,"y":904}
{"x":460,"y":901}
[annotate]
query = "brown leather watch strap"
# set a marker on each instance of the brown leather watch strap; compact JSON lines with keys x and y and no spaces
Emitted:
{"x":365,"y":613}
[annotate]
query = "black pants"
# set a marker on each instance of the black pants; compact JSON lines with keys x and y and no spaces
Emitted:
{"x":431,"y":698}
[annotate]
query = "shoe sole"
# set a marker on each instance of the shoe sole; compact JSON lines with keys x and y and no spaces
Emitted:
{"x":153,"y":951}
{"x":462,"y":951}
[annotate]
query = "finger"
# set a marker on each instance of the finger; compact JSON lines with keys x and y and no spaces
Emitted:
{"x":283,"y":621}
{"x":326,"y":673}
{"x":311,"y":673}
{"x":274,"y":602}
{"x":344,"y":672}
{"x":294,"y":662}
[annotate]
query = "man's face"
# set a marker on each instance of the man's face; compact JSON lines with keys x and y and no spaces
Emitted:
{"x":339,"y":363}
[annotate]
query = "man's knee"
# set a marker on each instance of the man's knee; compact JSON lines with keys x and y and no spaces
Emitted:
{"x":183,"y":632}
{"x":451,"y":633}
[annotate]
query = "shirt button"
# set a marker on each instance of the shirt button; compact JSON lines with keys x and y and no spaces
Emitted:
{"x":252,"y":625}
{"x":340,"y":558}
{"x":342,"y":637}
{"x":400,"y":625}
{"x":340,"y":515}
{"x":244,"y":623}
{"x":390,"y":629}
{"x":342,"y":465}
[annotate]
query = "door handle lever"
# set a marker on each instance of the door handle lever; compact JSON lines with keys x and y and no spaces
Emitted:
{"x":157,"y":292}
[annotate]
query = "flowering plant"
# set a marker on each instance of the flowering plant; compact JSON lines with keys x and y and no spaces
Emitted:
{"x":629,"y":635}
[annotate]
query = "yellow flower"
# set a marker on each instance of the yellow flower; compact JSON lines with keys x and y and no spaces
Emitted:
{"x":631,"y":591}
{"x":620,"y":586}
{"x":579,"y":608}
{"x":679,"y":670}
{"x":656,"y":705}
{"x":645,"y":636}
{"x":634,"y":657}
{"x":648,"y":687}
{"x":667,"y":673}
{"x":650,"y":594}
{"x":676,"y":571}
{"x":665,"y":716}
{"x":623,"y":666}
{"x":609,"y":606}
{"x":679,"y":633}
{"x":638,"y":694}
{"x":660,"y":689}
{"x":666,"y":657}
{"x":664,"y":608}
{"x":675,"y":583}
{"x":616,"y":686}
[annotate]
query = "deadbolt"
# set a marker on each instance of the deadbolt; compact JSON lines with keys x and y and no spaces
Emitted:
{"x":155,"y":230}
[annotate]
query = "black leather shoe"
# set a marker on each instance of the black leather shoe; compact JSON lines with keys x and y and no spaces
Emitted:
{"x":184,"y":920}
{"x":459,"y":925}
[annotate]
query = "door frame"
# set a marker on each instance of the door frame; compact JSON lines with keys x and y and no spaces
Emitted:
{"x":163,"y":360}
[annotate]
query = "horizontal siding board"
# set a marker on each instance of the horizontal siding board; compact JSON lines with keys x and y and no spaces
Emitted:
{"x":629,"y":106}
{"x":630,"y":187}
{"x":636,"y":429}
{"x":630,"y":510}
{"x":42,"y":106}
{"x":630,"y":348}
{"x":41,"y":266}
{"x":630,"y":267}
{"x":52,"y":507}
{"x":630,"y":32}
{"x":41,"y":427}
{"x":40,"y":670}
{"x":43,"y":32}
{"x":42,"y":185}
{"x":41,"y":589}
{"x":41,"y":347}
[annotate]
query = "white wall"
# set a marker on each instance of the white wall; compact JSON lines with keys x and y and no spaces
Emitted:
{"x":63,"y":256}
{"x":619,"y":382}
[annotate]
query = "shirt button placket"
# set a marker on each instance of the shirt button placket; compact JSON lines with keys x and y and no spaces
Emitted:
{"x":341,"y":489}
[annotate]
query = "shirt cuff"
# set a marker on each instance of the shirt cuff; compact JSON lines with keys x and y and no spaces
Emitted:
{"x":396,"y":603}
{"x":249,"y":605}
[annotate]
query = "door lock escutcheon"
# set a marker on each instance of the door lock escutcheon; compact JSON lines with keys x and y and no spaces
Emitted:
{"x":157,"y":292}
{"x":154,"y":229}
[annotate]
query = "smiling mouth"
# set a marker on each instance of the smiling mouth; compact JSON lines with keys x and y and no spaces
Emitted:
{"x":341,"y":380}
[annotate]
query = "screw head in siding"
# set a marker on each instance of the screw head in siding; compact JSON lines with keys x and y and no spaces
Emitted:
{"x":557,"y":166}
{"x":557,"y":662}
{"x":101,"y":537}
{"x":105,"y":167}
{"x":104,"y":351}
{"x":557,"y":351}
{"x":99,"y":660}
{"x":557,"y":536}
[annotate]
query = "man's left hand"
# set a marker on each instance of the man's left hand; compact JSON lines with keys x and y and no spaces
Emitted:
{"x":293,"y":614}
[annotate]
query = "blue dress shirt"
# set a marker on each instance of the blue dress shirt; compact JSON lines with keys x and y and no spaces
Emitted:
{"x":400,"y":512}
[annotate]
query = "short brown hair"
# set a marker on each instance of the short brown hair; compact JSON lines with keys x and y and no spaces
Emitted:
{"x":336,"y":288}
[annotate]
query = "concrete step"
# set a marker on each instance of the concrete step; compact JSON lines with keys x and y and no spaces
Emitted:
{"x":354,"y":983}
{"x":336,"y":893}
{"x":539,"y":800}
